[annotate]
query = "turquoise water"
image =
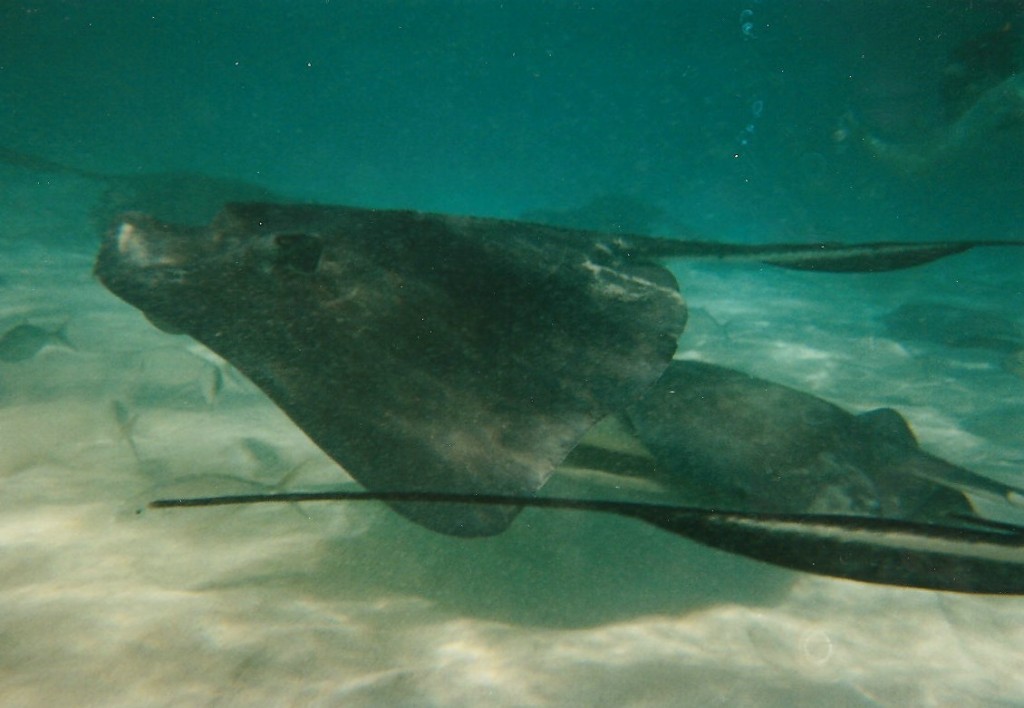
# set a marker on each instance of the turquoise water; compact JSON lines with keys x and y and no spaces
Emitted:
{"x":749,"y":121}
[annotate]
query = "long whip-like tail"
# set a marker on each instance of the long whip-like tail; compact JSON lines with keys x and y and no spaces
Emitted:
{"x":987,"y":558}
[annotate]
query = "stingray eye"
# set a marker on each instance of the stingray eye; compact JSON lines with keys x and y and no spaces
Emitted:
{"x":298,"y":251}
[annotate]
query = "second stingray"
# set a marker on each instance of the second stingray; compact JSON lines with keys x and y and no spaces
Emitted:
{"x":721,"y":439}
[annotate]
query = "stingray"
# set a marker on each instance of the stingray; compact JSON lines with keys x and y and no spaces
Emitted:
{"x":432,"y":353}
{"x":450,"y":363}
{"x":728,"y":440}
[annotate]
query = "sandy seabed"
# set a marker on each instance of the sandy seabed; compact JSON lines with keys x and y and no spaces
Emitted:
{"x":104,"y":602}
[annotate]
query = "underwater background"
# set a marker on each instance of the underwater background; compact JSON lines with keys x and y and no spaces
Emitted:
{"x":758,"y":121}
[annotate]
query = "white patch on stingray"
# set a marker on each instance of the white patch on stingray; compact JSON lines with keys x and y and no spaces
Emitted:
{"x":130,"y":245}
{"x":614,"y":283}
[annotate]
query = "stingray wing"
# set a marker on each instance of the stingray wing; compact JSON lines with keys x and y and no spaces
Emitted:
{"x":422,"y":352}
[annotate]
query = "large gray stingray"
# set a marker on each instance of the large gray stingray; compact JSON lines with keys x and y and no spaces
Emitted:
{"x":431,"y":353}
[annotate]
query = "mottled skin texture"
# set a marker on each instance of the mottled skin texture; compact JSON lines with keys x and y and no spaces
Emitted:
{"x":421,"y":352}
{"x":726,"y":440}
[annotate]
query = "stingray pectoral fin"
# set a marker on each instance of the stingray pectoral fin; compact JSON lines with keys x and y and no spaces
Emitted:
{"x":963,"y":480}
{"x":825,"y":257}
{"x":887,"y":426}
{"x":870,"y":550}
{"x":162,"y":324}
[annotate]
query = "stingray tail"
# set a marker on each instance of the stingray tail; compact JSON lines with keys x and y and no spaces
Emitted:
{"x":983,"y":558}
{"x":986,"y":560}
{"x":825,"y":257}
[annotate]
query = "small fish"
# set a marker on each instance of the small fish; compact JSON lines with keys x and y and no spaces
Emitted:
{"x":213,"y":384}
{"x":214,"y":379}
{"x":24,"y":341}
{"x":126,"y":420}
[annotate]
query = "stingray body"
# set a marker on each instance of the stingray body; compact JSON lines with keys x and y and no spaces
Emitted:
{"x":433,"y":353}
{"x":421,"y":352}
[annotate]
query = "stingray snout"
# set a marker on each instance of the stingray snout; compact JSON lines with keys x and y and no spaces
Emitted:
{"x":139,"y":241}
